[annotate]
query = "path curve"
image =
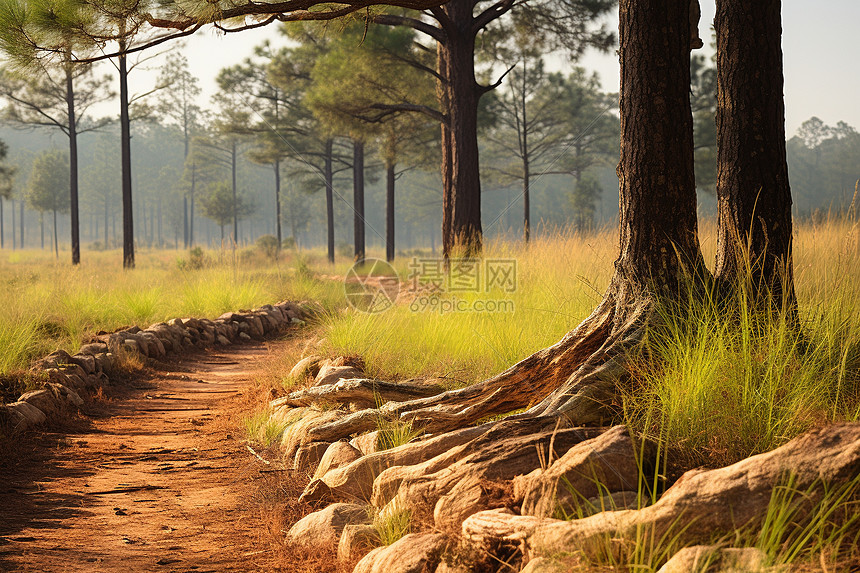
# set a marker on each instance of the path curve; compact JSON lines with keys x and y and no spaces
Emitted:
{"x":159,"y":483}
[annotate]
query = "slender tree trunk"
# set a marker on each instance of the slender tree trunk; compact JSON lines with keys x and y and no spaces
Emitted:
{"x":42,"y":230}
{"x":460,"y":163}
{"x":753,"y":194}
{"x":191,"y":207}
{"x":185,"y":220}
{"x":277,"y":167}
{"x":125,"y":137}
{"x":2,"y":230}
{"x":107,"y":240}
{"x":21,"y":208}
{"x":14,"y":228}
{"x":389,"y":211}
{"x":358,"y":199}
{"x":526,"y":190}
{"x":329,"y":198}
{"x":73,"y":167}
{"x":160,"y":236}
{"x":235,"y":197}
{"x":56,"y":242}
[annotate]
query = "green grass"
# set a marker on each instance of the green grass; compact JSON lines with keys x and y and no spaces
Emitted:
{"x":50,"y":304}
{"x":392,"y":523}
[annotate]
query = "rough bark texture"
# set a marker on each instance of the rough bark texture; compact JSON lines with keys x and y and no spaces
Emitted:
{"x":753,"y":194}
{"x":390,"y":177}
{"x":329,"y":198}
{"x":125,"y":152}
{"x":461,"y":92}
{"x":358,"y":199}
{"x":73,"y":168}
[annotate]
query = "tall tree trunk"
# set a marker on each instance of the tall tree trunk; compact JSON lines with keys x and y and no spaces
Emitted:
{"x":329,"y":197}
{"x":107,"y":240}
{"x":524,"y":150}
{"x":191,"y":207}
{"x":160,"y":235}
{"x":73,"y":167}
{"x":2,"y":230}
{"x":125,"y":145}
{"x":526,"y":190}
{"x":185,"y":220}
{"x":389,"y":211}
{"x":14,"y":228}
{"x":56,"y":242}
{"x":460,"y":163}
{"x":21,"y":229}
{"x":277,"y":167}
{"x":358,"y":199}
{"x":235,"y":196}
{"x":42,"y":230}
{"x":753,"y":194}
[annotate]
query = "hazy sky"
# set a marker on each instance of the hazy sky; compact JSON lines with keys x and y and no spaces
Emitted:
{"x":820,"y":48}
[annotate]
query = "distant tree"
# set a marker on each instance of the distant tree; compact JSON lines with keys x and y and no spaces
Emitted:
{"x":222,"y":206}
{"x":7,"y":178}
{"x":377,"y":68}
{"x":48,"y":187}
{"x":178,"y":103}
{"x":703,"y":101}
{"x":56,"y":97}
{"x":584,"y":202}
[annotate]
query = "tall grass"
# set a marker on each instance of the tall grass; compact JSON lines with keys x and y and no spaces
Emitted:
{"x":49,"y":304}
{"x":559,"y":280}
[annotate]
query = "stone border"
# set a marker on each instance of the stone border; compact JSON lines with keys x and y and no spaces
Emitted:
{"x":67,"y":376}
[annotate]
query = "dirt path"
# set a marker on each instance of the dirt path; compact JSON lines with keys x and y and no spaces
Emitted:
{"x":159,"y":482}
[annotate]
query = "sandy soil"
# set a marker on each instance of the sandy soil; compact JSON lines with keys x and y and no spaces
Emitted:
{"x":154,"y":479}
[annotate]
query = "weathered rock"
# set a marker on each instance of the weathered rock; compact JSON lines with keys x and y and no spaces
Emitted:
{"x":357,"y":392}
{"x":330,"y":374}
{"x":244,"y":336}
{"x":85,"y":361}
{"x":367,"y":443}
{"x":222,"y":340}
{"x":714,"y":559}
{"x":154,"y":345}
{"x":66,"y":393}
{"x":355,"y":481}
{"x":323,"y":528}
{"x":296,"y":433}
{"x":356,"y":540}
{"x":413,"y":553}
{"x":337,"y":455}
{"x":307,"y":366}
{"x":699,"y":506}
{"x":308,"y":456}
{"x":131,"y":345}
{"x":477,"y":475}
{"x":93,"y":348}
{"x":25,"y":415}
{"x":615,"y":501}
{"x":608,"y":463}
{"x":45,"y":400}
{"x":55,"y":360}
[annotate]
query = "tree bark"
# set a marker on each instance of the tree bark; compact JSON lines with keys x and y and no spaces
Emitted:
{"x":277,"y":167}
{"x":460,"y":171}
{"x":2,"y":230}
{"x":125,"y":152}
{"x":753,"y":195}
{"x":21,"y":208}
{"x":235,"y":196}
{"x":358,"y":199}
{"x":73,"y":167}
{"x":56,"y":242}
{"x":329,"y":198}
{"x":389,"y":212}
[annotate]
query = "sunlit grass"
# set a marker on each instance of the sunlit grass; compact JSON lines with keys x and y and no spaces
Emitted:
{"x":49,"y":304}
